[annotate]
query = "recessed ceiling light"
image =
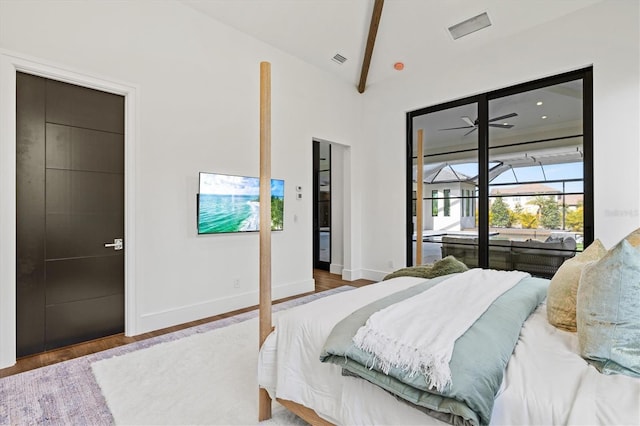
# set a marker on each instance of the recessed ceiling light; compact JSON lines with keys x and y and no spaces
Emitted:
{"x":539,"y":103}
{"x":544,"y":117}
{"x":505,"y":124}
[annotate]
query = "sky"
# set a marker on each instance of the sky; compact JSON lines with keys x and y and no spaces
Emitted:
{"x":219,"y":184}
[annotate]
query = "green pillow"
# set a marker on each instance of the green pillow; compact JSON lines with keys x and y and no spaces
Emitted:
{"x":448,"y":265}
{"x":608,"y":311}
{"x":561,"y":294}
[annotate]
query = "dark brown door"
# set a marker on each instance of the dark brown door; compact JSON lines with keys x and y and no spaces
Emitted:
{"x":70,"y":203}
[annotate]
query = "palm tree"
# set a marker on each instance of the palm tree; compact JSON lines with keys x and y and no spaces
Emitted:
{"x":538,"y":201}
{"x":548,"y":211}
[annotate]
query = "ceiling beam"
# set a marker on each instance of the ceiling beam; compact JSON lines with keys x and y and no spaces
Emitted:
{"x":371,"y":40}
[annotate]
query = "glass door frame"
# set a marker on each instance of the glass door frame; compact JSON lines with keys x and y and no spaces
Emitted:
{"x":482,"y":101}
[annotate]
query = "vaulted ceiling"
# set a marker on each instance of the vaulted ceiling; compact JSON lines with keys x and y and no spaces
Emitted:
{"x":411,"y":31}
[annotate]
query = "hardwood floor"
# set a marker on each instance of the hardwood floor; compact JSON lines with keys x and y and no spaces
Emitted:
{"x":323,"y":281}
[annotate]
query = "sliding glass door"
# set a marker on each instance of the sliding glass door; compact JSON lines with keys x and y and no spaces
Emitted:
{"x":446,"y":198}
{"x":536,"y":186}
{"x":505,"y":177}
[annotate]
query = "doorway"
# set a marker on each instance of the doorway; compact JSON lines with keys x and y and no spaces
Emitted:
{"x":70,"y":214}
{"x":321,"y":205}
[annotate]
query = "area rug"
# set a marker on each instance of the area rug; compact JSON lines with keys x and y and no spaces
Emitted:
{"x":208,"y":378}
{"x":68,"y":393}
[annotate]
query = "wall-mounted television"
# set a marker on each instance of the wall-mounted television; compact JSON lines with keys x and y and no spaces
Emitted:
{"x":228,"y":203}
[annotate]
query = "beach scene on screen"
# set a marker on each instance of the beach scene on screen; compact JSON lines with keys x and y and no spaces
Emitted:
{"x":232,"y":204}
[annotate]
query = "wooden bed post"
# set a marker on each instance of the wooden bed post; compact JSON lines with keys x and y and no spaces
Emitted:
{"x":419,"y":197}
{"x":264,"y":401}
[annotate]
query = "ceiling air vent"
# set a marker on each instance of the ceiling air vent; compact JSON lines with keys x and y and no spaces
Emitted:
{"x":338,"y":58}
{"x":469,"y":26}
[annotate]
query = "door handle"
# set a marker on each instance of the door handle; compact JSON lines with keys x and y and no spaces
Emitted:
{"x":117,"y":244}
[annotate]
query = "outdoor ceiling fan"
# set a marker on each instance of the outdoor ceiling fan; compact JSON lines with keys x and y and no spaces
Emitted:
{"x":473,"y":125}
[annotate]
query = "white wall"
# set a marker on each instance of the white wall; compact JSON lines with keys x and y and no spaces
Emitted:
{"x":198,"y":109}
{"x":442,"y":222}
{"x":605,"y":35}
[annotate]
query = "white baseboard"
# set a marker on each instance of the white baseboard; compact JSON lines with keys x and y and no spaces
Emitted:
{"x":367,"y":274}
{"x":335,"y":268}
{"x":351,"y":274}
{"x":158,"y":320}
{"x":291,"y":289}
{"x":373,"y":275}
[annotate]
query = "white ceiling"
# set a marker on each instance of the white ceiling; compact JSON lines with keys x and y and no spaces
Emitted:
{"x":410,"y":31}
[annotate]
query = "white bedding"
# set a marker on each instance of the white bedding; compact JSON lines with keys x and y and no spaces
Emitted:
{"x":546,"y":382}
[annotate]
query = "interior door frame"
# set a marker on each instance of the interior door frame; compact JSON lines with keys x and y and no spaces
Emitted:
{"x":10,"y":64}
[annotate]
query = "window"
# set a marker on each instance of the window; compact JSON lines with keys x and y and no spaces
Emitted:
{"x":434,"y":203}
{"x":447,"y":202}
{"x":413,"y":202}
{"x":519,"y":171}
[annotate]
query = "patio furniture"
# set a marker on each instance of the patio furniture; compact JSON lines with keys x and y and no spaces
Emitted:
{"x":539,"y":258}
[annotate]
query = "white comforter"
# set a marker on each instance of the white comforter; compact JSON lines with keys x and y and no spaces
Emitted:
{"x":546,"y":382}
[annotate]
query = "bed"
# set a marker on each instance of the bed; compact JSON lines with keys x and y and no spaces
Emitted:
{"x":545,"y":381}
